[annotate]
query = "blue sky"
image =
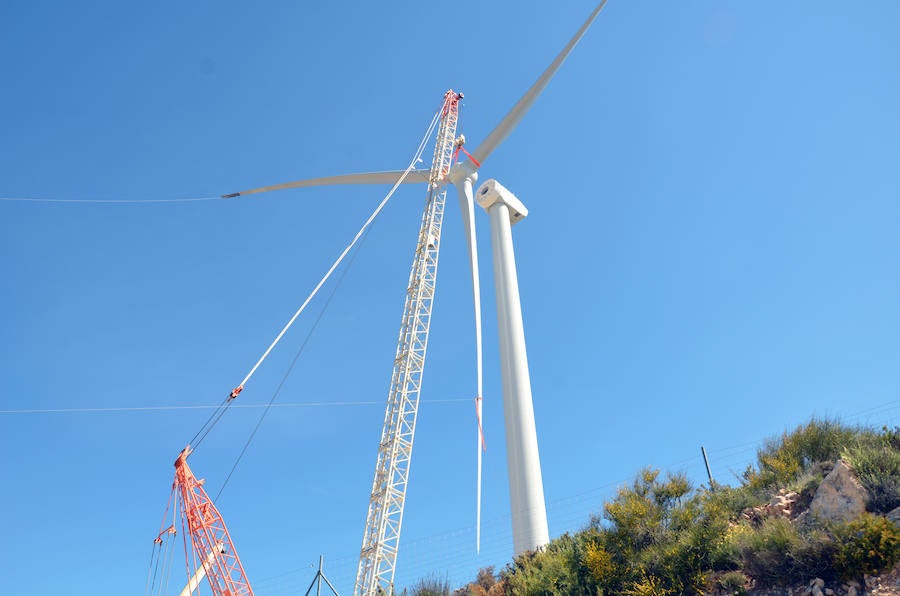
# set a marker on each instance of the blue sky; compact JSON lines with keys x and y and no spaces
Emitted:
{"x":710,"y":258}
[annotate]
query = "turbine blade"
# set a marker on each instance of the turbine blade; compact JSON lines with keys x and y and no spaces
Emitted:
{"x":478,"y":488}
{"x":368,"y":178}
{"x":511,"y":120}
{"x":467,"y":205}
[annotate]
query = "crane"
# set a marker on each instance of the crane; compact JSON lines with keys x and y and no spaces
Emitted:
{"x":214,"y":552}
{"x":378,"y":555}
{"x":384,"y":518}
{"x":208,"y":533}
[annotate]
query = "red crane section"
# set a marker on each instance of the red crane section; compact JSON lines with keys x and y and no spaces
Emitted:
{"x":209,"y":536}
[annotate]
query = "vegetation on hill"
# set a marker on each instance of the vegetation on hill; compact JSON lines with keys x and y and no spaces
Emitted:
{"x":660,"y":535}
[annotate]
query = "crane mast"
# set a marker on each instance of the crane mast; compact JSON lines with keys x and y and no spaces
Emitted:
{"x":378,"y":556}
{"x":209,"y":536}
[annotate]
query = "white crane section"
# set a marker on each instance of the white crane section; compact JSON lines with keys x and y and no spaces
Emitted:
{"x":381,"y":540}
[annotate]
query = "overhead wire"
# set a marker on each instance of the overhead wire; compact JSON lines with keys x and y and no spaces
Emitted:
{"x":107,"y":201}
{"x":126,"y":409}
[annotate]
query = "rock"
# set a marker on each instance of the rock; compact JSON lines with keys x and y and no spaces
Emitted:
{"x":782,"y":505}
{"x":852,"y":591}
{"x":840,"y":497}
{"x":829,"y":592}
{"x":820,"y":583}
{"x":816,"y":591}
{"x":894,"y":516}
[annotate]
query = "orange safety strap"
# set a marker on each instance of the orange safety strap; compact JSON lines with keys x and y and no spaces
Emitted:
{"x":478,"y":400}
{"x":469,"y":155}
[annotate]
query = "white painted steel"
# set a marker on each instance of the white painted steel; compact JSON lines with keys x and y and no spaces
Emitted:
{"x":526,"y":489}
{"x":463,"y":177}
{"x":194,"y":581}
{"x":378,"y":556}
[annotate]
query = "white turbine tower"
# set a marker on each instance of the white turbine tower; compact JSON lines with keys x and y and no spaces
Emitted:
{"x":529,"y":519}
{"x":526,"y":489}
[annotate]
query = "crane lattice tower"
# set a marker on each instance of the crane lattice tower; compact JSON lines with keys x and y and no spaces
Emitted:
{"x":378,"y":556}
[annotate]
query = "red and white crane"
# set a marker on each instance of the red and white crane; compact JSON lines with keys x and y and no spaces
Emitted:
{"x":384,"y":518}
{"x":212,"y":552}
{"x":209,"y":535}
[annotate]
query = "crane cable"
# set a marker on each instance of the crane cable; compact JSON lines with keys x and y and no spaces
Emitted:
{"x":220,"y":411}
{"x":287,"y":373}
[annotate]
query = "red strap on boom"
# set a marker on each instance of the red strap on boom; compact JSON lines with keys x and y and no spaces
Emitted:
{"x":478,"y":416}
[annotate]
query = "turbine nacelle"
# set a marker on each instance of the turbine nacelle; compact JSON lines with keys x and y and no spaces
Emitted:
{"x":492,"y":192}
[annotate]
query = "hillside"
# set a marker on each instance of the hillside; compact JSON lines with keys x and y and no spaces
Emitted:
{"x":817,"y":514}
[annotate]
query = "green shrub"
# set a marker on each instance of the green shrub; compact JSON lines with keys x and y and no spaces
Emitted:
{"x":640,"y":514}
{"x":601,"y":566}
{"x":813,"y":555}
{"x":648,"y":585}
{"x":431,"y":586}
{"x":553,"y":570}
{"x":781,"y":460}
{"x":736,"y":499}
{"x":766,"y":554}
{"x":868,"y":545}
{"x":658,"y":536}
{"x":733,"y":582}
{"x":876,"y":462}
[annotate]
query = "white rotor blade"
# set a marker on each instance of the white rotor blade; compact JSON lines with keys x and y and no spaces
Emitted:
{"x":467,"y":204}
{"x":368,"y":178}
{"x":509,"y":122}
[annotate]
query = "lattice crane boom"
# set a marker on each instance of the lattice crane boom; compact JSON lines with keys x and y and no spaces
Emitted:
{"x":209,"y":536}
{"x":381,"y":539}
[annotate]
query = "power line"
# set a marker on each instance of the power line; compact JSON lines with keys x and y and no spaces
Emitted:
{"x":107,"y":201}
{"x":310,"y":404}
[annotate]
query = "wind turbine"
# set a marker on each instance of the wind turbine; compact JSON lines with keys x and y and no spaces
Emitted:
{"x":529,"y":520}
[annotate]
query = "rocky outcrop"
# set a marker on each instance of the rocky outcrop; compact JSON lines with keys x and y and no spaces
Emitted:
{"x":840,"y":496}
{"x":894,"y":516}
{"x":783,"y":505}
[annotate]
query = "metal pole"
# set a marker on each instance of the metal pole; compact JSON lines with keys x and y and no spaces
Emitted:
{"x":526,"y":489}
{"x":708,"y":473}
{"x":319,"y":578}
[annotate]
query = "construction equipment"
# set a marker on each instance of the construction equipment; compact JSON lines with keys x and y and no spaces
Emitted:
{"x":381,"y":539}
{"x":209,"y":535}
{"x":214,"y":556}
